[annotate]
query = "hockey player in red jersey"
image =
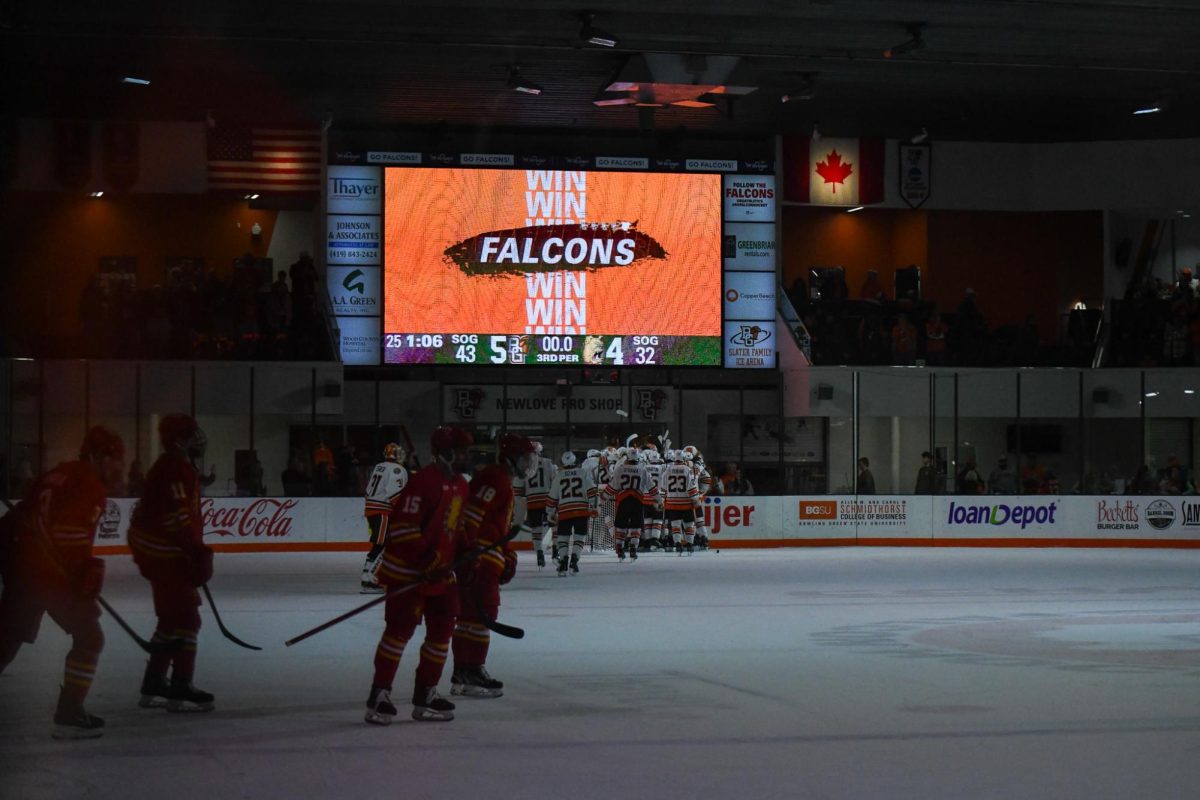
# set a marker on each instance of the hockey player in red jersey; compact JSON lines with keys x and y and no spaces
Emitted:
{"x":51,"y":570}
{"x":487,"y":520}
{"x":166,"y":536}
{"x":421,"y":545}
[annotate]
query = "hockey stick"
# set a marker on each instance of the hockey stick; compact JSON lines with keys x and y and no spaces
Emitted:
{"x":462,"y":560}
{"x":408,"y":442}
{"x":511,"y":631}
{"x":224,"y":631}
{"x":168,"y":646}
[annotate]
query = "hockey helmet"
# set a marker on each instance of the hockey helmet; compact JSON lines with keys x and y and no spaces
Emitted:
{"x":593,"y":453}
{"x":393,"y":452}
{"x":450,"y":437}
{"x":519,"y":451}
{"x":181,"y":430}
{"x":101,"y":442}
{"x":537,"y":446}
{"x":568,"y":459}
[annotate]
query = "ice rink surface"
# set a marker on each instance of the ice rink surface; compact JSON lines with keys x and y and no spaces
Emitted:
{"x":831,"y":673}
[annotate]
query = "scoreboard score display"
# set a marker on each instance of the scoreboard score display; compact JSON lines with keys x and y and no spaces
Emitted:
{"x":551,"y":267}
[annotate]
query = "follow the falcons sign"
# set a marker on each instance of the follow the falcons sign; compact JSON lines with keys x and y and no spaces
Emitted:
{"x":833,"y":172}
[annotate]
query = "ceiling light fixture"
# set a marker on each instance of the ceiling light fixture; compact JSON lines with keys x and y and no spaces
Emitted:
{"x":816,"y":134}
{"x":138,"y":81}
{"x":590,"y":34}
{"x":1147,"y":110}
{"x":921,"y":137}
{"x":97,"y":193}
{"x":912,"y":44}
{"x":518,"y":83}
{"x":856,"y":208}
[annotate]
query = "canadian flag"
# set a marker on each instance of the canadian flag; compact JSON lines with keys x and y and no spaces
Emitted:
{"x":833,"y":172}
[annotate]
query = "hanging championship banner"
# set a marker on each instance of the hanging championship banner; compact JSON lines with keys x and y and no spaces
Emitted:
{"x":916,"y":173}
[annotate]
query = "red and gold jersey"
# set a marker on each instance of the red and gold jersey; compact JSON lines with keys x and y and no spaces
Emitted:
{"x":422,"y":526}
{"x":489,"y":514}
{"x":166,"y":524}
{"x":58,"y":521}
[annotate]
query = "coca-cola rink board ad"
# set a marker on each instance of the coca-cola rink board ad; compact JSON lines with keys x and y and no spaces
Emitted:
{"x":256,"y":523}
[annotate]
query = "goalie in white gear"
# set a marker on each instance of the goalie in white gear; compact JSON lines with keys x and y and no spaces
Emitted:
{"x":387,"y":480}
{"x":606,"y":509}
{"x":570,"y":508}
{"x":682,"y":499}
{"x":537,"y":498}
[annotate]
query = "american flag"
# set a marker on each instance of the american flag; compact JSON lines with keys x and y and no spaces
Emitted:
{"x":264,"y":160}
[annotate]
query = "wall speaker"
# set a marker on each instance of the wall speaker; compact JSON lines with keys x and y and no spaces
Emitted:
{"x":824,"y":391}
{"x":1100,"y":395}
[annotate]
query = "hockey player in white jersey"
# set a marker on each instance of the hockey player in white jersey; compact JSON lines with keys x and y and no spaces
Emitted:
{"x":682,"y":498}
{"x":652,"y":524}
{"x":570,"y":509}
{"x":387,"y":480}
{"x":630,"y":487}
{"x":537,"y":497}
{"x":704,"y":481}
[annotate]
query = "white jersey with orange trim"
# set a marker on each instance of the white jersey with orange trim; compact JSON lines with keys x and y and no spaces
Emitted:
{"x":655,"y":472}
{"x":537,"y":486}
{"x":680,"y":488}
{"x":630,"y":479}
{"x":571,"y":493}
{"x":387,"y":480}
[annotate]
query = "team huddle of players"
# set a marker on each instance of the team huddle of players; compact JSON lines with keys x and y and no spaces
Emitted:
{"x":635,"y":498}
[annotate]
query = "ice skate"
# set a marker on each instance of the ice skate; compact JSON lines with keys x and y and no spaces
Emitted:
{"x":380,"y":710}
{"x":156,"y":692}
{"x":187,"y":698}
{"x":541,"y":558}
{"x":562,"y":567}
{"x":429,"y":706}
{"x":475,"y":682}
{"x":72,"y":722}
{"x":575,"y":563}
{"x":370,"y":587}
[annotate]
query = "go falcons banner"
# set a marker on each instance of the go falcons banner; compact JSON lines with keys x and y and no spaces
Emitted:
{"x":833,"y":172}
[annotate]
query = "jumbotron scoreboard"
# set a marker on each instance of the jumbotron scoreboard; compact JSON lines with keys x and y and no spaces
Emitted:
{"x":486,"y":265}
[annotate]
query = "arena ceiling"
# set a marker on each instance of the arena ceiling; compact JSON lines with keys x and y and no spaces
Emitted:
{"x":1002,"y":70}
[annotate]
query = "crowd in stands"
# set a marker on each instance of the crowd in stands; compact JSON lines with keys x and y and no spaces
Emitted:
{"x":872,"y":328}
{"x":1157,"y":325}
{"x":199,"y":314}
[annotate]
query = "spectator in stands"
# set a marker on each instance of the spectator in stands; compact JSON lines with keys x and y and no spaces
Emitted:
{"x":872,"y":338}
{"x":1033,"y":476}
{"x":904,"y":341}
{"x":872,"y":290}
{"x":1003,"y":479}
{"x":866,"y":481}
{"x":935,"y":340}
{"x":926,"y":475}
{"x":349,"y":484}
{"x":1175,"y":477}
{"x":969,"y":481}
{"x":1143,"y":482}
{"x":296,"y":482}
{"x":738,"y":484}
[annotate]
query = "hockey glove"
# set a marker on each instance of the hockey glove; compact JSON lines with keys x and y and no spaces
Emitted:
{"x":510,"y":566}
{"x":91,"y":578}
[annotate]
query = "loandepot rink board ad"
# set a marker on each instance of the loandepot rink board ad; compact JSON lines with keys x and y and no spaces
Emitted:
{"x":551,"y":267}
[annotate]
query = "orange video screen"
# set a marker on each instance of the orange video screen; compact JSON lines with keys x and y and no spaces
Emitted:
{"x":551,"y":266}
